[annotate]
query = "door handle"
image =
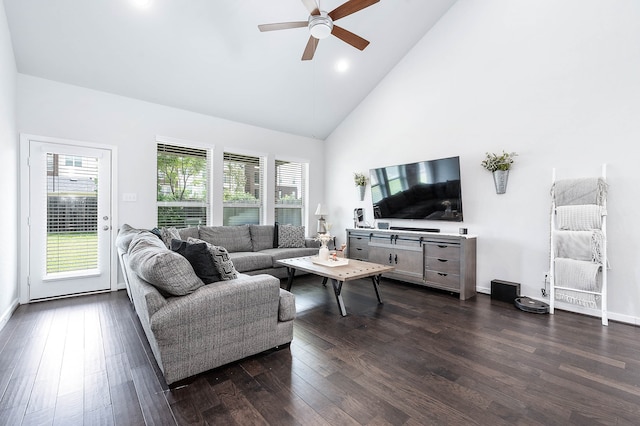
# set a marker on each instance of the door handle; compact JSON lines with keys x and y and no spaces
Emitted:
{"x":105,"y":228}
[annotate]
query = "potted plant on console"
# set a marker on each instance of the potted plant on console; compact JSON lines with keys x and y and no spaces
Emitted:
{"x":499,"y":165}
{"x":361,"y":182}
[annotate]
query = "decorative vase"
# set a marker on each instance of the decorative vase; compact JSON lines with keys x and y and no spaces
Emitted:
{"x":323,"y":254}
{"x":362,"y":189}
{"x":500,"y":179}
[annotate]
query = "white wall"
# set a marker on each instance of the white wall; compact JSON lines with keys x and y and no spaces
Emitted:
{"x":48,"y":108}
{"x":557,"y":82}
{"x":8,"y":174}
{"x":54,"y":109}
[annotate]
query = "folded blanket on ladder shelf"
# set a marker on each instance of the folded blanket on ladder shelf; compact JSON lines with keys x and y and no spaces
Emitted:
{"x":580,"y":217}
{"x":579,"y":245}
{"x":567,"y":192}
{"x":579,"y":275}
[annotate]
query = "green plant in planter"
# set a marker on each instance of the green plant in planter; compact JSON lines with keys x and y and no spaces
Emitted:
{"x":494,"y":162}
{"x":360,"y":179}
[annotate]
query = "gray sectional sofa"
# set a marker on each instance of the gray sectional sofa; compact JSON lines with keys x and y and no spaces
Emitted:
{"x":254,"y":249}
{"x":194,"y":326}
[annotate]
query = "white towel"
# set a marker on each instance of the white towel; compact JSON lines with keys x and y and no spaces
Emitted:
{"x":567,"y":192}
{"x":581,"y":276}
{"x":580,"y":217}
{"x":579,"y":245}
{"x":577,"y":274}
{"x":575,"y":298}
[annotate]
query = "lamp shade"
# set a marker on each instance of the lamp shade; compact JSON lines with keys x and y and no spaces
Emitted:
{"x":321,"y":210}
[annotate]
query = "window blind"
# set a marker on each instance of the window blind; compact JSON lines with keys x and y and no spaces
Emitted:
{"x":183,"y":185}
{"x":242,"y":194}
{"x":290,"y":186}
{"x":72,"y":214}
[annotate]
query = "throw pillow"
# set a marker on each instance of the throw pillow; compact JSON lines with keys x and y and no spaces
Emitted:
{"x":168,"y":234}
{"x":200,"y":259}
{"x":290,"y":236}
{"x":221,"y":259}
{"x":275,"y":235}
{"x":166,"y":270}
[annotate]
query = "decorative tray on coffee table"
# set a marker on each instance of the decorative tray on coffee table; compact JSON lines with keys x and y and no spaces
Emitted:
{"x":330,"y":263}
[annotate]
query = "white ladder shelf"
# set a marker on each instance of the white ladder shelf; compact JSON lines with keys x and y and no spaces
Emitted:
{"x":600,"y":293}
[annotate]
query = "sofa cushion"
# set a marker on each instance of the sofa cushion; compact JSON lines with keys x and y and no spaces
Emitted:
{"x":221,"y":259}
{"x":168,"y":271}
{"x":233,"y":238}
{"x":200,"y":258}
{"x":186,"y":233}
{"x":290,"y":236}
{"x":125,"y":236}
{"x":261,"y":236}
{"x":250,"y":261}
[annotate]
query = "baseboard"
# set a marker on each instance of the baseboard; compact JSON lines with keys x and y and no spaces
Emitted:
{"x":122,"y":286}
{"x":4,"y":319}
{"x":613,"y":316}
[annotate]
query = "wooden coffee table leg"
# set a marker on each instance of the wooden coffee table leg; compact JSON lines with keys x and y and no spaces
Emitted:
{"x":324,"y":281}
{"x":376,"y":286}
{"x":337,"y":288}
{"x":290,"y":273}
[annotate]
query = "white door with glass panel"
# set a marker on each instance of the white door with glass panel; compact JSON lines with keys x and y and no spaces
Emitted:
{"x":69,"y":219}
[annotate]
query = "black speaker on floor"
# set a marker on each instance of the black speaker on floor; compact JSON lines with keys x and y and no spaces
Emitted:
{"x":504,"y":291}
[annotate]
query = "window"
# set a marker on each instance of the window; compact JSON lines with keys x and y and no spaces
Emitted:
{"x":290,"y":187}
{"x":242,"y":195}
{"x":72,"y":161}
{"x":72,"y":214}
{"x":183,"y":182}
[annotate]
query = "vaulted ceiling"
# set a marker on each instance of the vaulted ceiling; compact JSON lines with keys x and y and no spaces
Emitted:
{"x":208,"y":56}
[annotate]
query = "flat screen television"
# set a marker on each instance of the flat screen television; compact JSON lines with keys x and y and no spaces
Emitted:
{"x":428,"y":190}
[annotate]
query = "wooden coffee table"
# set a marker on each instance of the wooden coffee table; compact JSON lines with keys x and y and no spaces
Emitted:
{"x":338,"y":275}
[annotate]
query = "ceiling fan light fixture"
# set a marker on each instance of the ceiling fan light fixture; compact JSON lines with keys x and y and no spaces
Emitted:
{"x":320,"y":26}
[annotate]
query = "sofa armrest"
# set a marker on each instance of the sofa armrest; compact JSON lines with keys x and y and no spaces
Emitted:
{"x":287,"y":306}
{"x":218,"y":306}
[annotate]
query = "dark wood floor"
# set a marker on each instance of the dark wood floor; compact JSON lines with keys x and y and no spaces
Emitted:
{"x":421,"y":358}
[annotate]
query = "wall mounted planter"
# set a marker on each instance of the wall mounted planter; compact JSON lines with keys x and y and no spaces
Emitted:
{"x":500,"y":179}
{"x":361,"y":191}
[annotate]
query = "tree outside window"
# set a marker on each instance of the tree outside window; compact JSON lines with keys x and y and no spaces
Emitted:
{"x":242,"y":189}
{"x":183,"y":181}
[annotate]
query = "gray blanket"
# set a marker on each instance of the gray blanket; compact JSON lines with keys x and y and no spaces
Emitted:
{"x":579,"y":191}
{"x":579,"y":245}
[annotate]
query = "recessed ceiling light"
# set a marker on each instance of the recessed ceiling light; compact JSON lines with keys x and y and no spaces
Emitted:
{"x":142,"y":4}
{"x":342,"y":65}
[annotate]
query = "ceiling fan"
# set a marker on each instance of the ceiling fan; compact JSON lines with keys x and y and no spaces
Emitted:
{"x":321,"y":25}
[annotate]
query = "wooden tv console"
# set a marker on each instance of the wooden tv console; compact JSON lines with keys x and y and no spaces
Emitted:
{"x":433,"y":259}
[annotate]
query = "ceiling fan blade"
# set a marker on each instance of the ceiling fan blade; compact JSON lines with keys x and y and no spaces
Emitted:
{"x":349,"y":37}
{"x":352,"y":6}
{"x":311,"y":6}
{"x":282,"y":26}
{"x":310,"y":50}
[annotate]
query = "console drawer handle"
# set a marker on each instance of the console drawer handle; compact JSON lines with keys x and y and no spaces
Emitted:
{"x":442,"y":260}
{"x":442,"y":246}
{"x":442,"y":274}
